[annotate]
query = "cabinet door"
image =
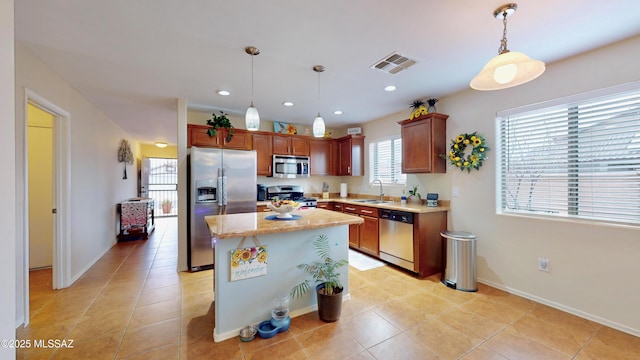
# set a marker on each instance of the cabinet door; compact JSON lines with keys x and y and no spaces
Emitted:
{"x":344,"y":168}
{"x":263,"y":147}
{"x":198,"y":136}
{"x":299,"y":146}
{"x":354,"y":236}
{"x":337,"y":207}
{"x":240,"y":140}
{"x":369,"y":235}
{"x":281,"y":145}
{"x":416,"y":147}
{"x":423,"y":141}
{"x":351,"y":151}
{"x":320,"y":157}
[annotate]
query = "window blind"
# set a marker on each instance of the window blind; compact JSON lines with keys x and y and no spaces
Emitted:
{"x":385,"y":161}
{"x":577,"y":159}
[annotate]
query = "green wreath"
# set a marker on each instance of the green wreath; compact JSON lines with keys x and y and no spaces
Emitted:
{"x":478,"y":154}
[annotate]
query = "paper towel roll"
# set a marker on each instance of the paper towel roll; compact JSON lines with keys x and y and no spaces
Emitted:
{"x":343,"y":190}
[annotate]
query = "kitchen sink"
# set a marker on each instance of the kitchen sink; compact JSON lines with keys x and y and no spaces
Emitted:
{"x":372,"y":201}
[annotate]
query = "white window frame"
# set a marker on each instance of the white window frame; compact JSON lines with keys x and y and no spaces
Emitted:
{"x":583,"y":202}
{"x":399,"y":178}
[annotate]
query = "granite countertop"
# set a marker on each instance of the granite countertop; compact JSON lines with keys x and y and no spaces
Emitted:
{"x":248,"y":224}
{"x":443,"y":205}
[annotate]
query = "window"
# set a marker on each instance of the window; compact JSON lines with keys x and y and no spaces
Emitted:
{"x":577,"y":158}
{"x":385,"y":161}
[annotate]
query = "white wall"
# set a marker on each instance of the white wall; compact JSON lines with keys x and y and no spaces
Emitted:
{"x":594,"y":268}
{"x":7,"y":181}
{"x":96,"y":175}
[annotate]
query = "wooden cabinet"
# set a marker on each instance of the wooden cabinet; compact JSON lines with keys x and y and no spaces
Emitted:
{"x":423,"y":142}
{"x":351,"y":152}
{"x":320,"y":157}
{"x":290,"y":145}
{"x":197,"y":135}
{"x":325,"y":205}
{"x":339,"y":207}
{"x":364,"y":237}
{"x":262,"y":208}
{"x":264,"y":151}
{"x":428,"y":249}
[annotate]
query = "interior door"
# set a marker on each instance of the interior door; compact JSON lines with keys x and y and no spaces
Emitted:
{"x":144,"y":177}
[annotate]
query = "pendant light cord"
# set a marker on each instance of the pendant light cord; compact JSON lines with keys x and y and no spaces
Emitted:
{"x":252,"y":80}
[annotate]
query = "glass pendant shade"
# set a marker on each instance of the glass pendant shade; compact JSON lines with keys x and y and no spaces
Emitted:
{"x":318,"y":126}
{"x":507,"y":70}
{"x":252,"y":118}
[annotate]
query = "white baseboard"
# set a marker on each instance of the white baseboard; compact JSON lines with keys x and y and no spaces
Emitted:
{"x":293,"y":314}
{"x":570,"y":310}
{"x":89,"y":265}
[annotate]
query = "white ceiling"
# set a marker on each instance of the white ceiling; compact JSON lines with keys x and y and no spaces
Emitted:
{"x":132,"y":59}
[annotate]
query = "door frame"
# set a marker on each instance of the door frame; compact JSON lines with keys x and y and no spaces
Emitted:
{"x":61,"y":264}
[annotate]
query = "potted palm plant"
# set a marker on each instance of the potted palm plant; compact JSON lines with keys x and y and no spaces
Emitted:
{"x":325,"y":274}
{"x":166,"y":206}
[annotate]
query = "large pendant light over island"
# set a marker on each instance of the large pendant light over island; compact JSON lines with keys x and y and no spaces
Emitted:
{"x":509,"y":68}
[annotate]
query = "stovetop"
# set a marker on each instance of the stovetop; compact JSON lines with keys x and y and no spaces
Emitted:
{"x":293,"y":192}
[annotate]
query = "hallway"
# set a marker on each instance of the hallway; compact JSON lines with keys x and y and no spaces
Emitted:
{"x":133,"y":305}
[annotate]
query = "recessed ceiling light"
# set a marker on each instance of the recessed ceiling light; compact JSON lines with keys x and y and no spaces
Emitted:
{"x":223,"y":92}
{"x":287,"y":103}
{"x":390,"y":88}
{"x":337,"y":112}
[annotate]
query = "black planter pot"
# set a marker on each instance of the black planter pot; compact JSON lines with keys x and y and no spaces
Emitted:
{"x":329,"y":306}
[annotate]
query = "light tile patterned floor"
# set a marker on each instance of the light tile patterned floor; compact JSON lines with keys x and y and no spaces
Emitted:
{"x":133,"y":305}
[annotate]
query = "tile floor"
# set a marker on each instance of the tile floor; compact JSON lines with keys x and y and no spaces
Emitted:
{"x":133,"y":305}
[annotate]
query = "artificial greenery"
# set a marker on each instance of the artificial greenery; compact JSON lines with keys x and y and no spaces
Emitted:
{"x":323,"y":271}
{"x":220,"y":121}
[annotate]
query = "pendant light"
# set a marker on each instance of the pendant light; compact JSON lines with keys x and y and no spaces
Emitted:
{"x":509,"y":68}
{"x":252,"y":118}
{"x":318,"y":122}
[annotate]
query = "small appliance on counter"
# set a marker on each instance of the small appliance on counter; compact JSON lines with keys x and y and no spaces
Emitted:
{"x":291,"y":192}
{"x":432,"y":200}
{"x":262,"y":192}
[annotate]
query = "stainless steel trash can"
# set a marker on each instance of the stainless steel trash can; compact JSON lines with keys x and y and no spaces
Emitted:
{"x":460,"y":261}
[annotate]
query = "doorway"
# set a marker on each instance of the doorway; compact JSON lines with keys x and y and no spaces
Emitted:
{"x":46,"y":195}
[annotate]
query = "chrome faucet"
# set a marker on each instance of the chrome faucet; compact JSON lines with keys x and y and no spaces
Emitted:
{"x":381,"y":193}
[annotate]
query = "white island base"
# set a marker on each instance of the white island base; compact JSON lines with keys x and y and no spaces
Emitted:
{"x":250,"y":301}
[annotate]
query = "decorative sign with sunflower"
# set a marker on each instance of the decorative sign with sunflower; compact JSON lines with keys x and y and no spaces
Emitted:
{"x":248,"y":262}
{"x":459,"y":159}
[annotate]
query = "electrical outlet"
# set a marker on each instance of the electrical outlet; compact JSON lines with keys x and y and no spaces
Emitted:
{"x":544,"y":264}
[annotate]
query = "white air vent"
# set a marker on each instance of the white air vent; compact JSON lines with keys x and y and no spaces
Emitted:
{"x":393,"y":63}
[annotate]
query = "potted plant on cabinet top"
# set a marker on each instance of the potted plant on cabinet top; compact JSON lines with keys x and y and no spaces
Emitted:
{"x":413,"y":195}
{"x":325,"y":274}
{"x":220,"y":121}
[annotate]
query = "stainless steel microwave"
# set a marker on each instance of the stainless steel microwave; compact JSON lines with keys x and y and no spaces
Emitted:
{"x":289,"y":167}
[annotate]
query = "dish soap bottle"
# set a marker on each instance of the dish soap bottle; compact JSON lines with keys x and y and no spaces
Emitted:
{"x":403,"y":199}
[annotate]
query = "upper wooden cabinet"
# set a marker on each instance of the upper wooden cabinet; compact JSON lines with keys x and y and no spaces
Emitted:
{"x":320,"y":157}
{"x":264,"y":150}
{"x":351,"y":152}
{"x":197,"y":136}
{"x":290,"y":145}
{"x":424,"y":139}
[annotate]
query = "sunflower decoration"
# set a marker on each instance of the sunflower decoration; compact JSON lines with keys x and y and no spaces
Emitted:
{"x":479,"y":149}
{"x":418,"y":109}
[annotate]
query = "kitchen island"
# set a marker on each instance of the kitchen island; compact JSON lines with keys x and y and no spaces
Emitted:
{"x":248,"y":300}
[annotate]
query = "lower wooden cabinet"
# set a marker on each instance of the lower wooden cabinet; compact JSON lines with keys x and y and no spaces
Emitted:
{"x":325,"y":205}
{"x":364,"y":237}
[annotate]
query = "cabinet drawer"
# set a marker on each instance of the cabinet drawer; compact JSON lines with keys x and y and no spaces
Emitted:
{"x":368,"y":211}
{"x":353,"y":209}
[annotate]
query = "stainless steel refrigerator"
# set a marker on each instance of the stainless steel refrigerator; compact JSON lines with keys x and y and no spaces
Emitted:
{"x":221,"y":181}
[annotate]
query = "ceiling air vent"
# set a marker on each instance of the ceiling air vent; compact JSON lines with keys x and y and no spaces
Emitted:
{"x":393,"y":63}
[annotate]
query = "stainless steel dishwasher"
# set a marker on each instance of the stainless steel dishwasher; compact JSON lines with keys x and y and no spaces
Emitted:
{"x":396,"y":238}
